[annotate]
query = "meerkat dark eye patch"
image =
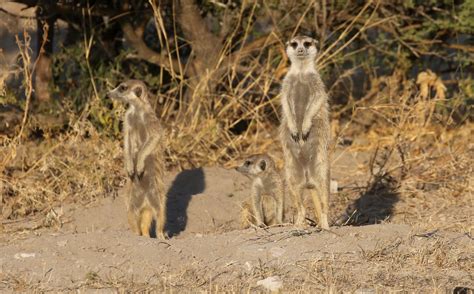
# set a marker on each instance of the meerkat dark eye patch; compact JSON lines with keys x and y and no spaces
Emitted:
{"x":294,"y":45}
{"x":138,"y":91}
{"x":122,"y":88}
{"x":307,"y":44}
{"x":263,"y":165}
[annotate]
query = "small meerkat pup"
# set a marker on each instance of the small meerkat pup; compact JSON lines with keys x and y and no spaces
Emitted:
{"x":266,"y":182}
{"x":305,"y":130}
{"x":143,"y":157}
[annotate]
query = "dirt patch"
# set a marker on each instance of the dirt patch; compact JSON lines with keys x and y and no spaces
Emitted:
{"x":95,"y":249}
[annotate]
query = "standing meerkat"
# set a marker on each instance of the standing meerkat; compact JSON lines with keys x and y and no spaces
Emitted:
{"x":266,"y":181}
{"x":305,"y":130}
{"x":143,"y":156}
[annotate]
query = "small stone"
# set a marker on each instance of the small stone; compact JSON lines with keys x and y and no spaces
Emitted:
{"x":273,"y":283}
{"x":333,"y":186}
{"x":24,"y":255}
{"x":277,"y":251}
{"x":248,"y":266}
{"x":365,"y":291}
{"x":62,"y":243}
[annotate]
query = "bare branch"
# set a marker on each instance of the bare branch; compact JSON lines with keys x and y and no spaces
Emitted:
{"x":143,"y":51}
{"x":206,"y":46}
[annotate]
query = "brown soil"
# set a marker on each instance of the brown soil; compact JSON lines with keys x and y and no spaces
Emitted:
{"x":95,"y":249}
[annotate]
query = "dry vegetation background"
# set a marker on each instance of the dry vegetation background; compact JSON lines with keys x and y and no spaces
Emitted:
{"x":399,"y":74}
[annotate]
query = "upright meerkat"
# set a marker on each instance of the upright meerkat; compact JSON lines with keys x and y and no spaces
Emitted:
{"x":143,"y":156}
{"x":266,"y":182}
{"x":305,"y":130}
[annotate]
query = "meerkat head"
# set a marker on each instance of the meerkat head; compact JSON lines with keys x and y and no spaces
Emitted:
{"x":301,"y":48}
{"x":132,"y":92}
{"x":256,"y":165}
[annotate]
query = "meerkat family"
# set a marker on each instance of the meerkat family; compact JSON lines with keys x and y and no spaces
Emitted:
{"x":305,"y":130}
{"x":266,"y":185}
{"x":304,"y":135}
{"x":143,"y":158}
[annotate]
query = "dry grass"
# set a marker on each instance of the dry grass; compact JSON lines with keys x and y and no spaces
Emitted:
{"x":49,"y":173}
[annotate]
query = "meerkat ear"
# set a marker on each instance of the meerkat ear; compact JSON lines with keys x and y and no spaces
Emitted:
{"x":138,"y":91}
{"x":263,"y":165}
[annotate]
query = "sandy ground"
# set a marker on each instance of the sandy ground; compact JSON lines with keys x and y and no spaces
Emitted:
{"x":94,"y":249}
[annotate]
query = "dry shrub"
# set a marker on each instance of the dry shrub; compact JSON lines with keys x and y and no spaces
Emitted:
{"x":421,"y":160}
{"x":41,"y":175}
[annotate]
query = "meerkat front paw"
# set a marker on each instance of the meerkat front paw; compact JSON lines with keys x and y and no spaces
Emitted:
{"x":140,"y":169}
{"x":295,"y":136}
{"x":305,"y":131}
{"x":140,"y":174}
{"x":305,"y":136}
{"x":130,"y":171}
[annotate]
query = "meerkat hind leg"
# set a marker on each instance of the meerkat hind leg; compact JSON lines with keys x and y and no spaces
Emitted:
{"x":158,"y":208}
{"x":160,"y":223}
{"x":133,"y":221}
{"x":247,"y":218}
{"x":319,"y":207}
{"x":132,"y":215}
{"x":279,"y":205}
{"x":298,"y":202}
{"x":146,"y":220}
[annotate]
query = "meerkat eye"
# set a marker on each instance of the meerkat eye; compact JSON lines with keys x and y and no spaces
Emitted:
{"x":138,"y":91}
{"x":294,"y":45}
{"x":122,"y":88}
{"x":307,"y":44}
{"x":263,"y":165}
{"x":247,"y":163}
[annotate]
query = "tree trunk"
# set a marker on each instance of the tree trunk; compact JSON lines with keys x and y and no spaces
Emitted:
{"x":206,"y":49}
{"x":43,"y":72}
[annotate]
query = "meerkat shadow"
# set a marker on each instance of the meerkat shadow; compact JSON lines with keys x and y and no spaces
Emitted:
{"x":186,"y":184}
{"x":375,"y":204}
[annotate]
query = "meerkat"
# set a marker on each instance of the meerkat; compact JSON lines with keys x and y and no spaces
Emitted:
{"x":143,"y":158}
{"x":266,"y":182}
{"x":305,"y":130}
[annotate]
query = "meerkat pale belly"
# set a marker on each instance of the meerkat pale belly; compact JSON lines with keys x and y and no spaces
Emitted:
{"x":300,"y":91}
